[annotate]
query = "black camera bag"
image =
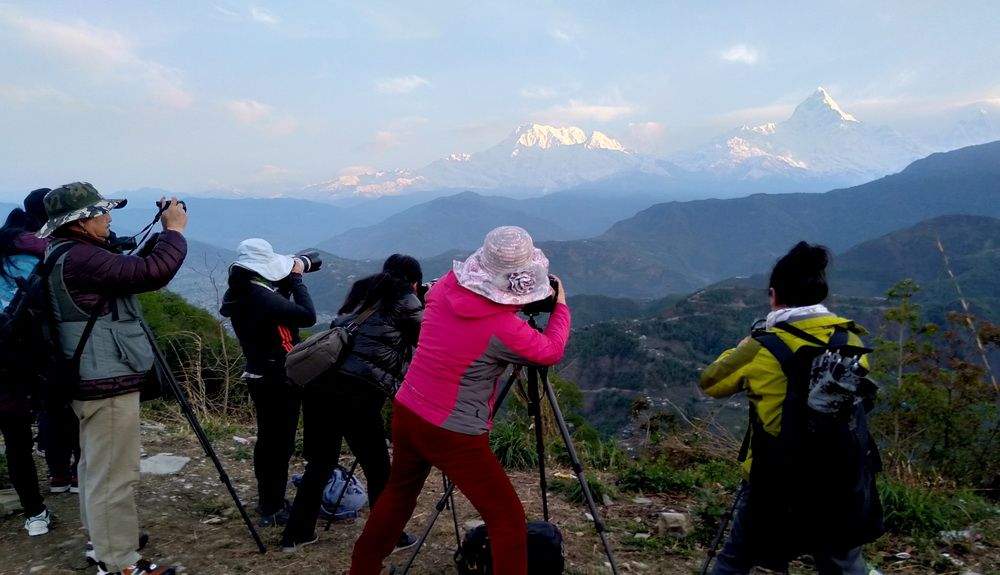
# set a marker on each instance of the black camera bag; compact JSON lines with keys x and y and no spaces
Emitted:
{"x":545,"y":551}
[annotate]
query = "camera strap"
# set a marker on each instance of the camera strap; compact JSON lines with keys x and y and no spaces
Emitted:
{"x":87,"y":331}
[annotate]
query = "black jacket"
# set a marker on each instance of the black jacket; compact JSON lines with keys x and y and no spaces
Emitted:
{"x":265,"y":320}
{"x":383,"y":344}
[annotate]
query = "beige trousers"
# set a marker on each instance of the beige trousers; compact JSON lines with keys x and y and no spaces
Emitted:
{"x":108,"y":473}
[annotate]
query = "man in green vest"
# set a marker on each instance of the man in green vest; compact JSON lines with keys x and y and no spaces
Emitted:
{"x":91,"y":277}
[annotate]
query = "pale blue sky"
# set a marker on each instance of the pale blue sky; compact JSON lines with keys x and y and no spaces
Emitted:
{"x":199,"y":95}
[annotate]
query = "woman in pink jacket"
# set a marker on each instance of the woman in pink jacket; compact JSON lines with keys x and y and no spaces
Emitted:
{"x":442,"y":413}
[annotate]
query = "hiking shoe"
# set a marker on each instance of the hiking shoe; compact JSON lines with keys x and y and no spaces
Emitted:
{"x":291,"y":545}
{"x":278,"y":519}
{"x":405,"y":542}
{"x":74,"y":485}
{"x":61,"y":485}
{"x":141,"y":567}
{"x":91,"y":556}
{"x":39,"y":524}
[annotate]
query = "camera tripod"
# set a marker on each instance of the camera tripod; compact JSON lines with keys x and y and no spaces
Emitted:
{"x":167,"y":379}
{"x":537,"y":378}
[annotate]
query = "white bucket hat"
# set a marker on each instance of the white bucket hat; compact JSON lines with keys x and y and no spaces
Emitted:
{"x":508,"y":269}
{"x":257,"y":255}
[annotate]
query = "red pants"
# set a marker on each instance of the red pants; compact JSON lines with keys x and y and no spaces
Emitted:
{"x":466,"y":460}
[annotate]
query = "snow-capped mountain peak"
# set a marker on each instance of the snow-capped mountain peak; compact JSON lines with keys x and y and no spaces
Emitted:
{"x":820,"y":108}
{"x":820,"y":139}
{"x":544,"y":137}
{"x":602,"y":141}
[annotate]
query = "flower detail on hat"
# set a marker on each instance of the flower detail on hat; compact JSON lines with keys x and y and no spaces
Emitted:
{"x":521,"y":283}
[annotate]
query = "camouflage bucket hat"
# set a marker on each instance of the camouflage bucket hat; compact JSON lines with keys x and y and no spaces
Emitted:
{"x":72,"y":202}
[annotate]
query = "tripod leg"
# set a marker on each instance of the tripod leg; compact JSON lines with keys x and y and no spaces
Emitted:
{"x":578,"y":470}
{"x":454,"y":511}
{"x":536,"y":410}
{"x":167,"y":376}
{"x":438,"y":508}
{"x":336,"y":505}
{"x":721,"y":532}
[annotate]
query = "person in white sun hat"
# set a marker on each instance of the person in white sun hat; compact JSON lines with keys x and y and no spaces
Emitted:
{"x":268,"y":303}
{"x":442,"y":414}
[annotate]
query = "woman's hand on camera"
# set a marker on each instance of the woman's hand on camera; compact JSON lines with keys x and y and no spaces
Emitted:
{"x":175,"y":216}
{"x":297,"y":266}
{"x":561,"y":290}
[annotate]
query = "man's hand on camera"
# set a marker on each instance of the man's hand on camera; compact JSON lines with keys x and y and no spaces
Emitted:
{"x":174,"y":217}
{"x":298,"y":267}
{"x":561,"y":290}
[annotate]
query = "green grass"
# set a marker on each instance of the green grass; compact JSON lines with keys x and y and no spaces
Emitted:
{"x":513,"y":445}
{"x":921,"y":511}
{"x":660,"y":476}
{"x":570,"y":489}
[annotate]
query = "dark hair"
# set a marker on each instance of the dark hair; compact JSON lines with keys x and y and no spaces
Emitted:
{"x":799,"y":277}
{"x":29,"y":219}
{"x":399,"y":273}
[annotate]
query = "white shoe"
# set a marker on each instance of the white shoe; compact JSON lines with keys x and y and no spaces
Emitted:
{"x":39,"y":524}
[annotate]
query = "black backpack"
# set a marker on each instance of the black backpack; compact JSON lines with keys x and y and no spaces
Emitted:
{"x":812,"y":488}
{"x":545,"y":551}
{"x":31,"y":359}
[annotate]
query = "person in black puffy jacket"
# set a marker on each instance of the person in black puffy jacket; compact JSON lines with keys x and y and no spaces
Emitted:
{"x":347,"y":403}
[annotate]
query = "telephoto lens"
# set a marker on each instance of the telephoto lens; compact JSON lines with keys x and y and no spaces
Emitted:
{"x":311,"y":260}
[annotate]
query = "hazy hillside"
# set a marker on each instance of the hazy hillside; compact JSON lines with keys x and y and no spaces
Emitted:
{"x":453,"y":222}
{"x":660,"y":355}
{"x":699,"y":242}
{"x":287,"y":223}
{"x":971,"y":243}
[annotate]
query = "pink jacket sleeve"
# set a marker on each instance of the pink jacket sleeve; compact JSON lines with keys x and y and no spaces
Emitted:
{"x":541,"y":348}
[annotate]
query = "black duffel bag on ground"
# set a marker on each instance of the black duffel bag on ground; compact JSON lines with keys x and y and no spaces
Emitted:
{"x":545,"y":551}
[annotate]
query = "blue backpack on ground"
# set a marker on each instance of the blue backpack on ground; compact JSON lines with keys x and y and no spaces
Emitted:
{"x":355,"y":496}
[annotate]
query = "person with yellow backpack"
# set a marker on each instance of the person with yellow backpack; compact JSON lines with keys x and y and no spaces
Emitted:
{"x":809,"y":460}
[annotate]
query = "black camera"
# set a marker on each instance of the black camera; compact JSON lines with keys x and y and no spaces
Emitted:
{"x":166,"y":204}
{"x":120,"y":245}
{"x":311,"y":260}
{"x":546,"y":305}
{"x":422,"y":290}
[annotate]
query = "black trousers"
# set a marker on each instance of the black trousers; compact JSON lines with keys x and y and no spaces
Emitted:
{"x":59,"y":436}
{"x":19,"y":441}
{"x":277,"y":407}
{"x":345,"y":408}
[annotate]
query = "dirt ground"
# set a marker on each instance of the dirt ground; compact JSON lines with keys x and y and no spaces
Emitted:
{"x":193,"y":524}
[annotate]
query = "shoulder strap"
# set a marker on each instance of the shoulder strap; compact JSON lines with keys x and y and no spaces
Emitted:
{"x":49,"y":261}
{"x":87,"y":330}
{"x":800,"y":333}
{"x":778,"y":348}
{"x":362,"y":318}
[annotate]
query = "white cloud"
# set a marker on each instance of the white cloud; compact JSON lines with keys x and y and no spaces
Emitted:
{"x":561,"y":35}
{"x":33,"y":95}
{"x":577,"y":111}
{"x":226,"y":11}
{"x":401,"y":84}
{"x":249,"y":111}
{"x":272,"y":171}
{"x":101,"y":51}
{"x":384,"y":140}
{"x":539,"y":93}
{"x":647,"y":130}
{"x":263,"y":16}
{"x":646,"y":136}
{"x":742,"y":54}
{"x":261,"y":116}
